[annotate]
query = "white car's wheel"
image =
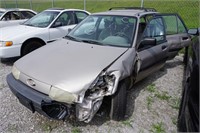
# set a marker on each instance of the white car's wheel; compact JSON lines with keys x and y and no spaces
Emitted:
{"x":31,"y":46}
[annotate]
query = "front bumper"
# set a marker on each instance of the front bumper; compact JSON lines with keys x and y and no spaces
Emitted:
{"x":8,"y":52}
{"x":36,"y":101}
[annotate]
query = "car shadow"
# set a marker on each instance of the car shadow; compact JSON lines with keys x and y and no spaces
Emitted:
{"x":9,"y":61}
{"x":134,"y":92}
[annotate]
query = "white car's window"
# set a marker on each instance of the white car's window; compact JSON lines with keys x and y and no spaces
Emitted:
{"x":1,"y":13}
{"x":27,"y":14}
{"x":105,"y":30}
{"x":80,"y":15}
{"x":42,"y":19}
{"x":12,"y":15}
{"x":66,"y":18}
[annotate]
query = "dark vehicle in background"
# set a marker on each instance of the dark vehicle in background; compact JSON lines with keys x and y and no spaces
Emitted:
{"x":188,"y":119}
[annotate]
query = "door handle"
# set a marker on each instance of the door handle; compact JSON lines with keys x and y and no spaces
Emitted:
{"x":164,"y":47}
{"x":185,"y":38}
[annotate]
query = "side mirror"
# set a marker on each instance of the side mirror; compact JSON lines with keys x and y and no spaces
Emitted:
{"x":147,"y":43}
{"x":193,"y":32}
{"x":56,"y":24}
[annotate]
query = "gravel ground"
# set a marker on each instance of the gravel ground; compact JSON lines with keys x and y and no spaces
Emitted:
{"x":152,"y":107}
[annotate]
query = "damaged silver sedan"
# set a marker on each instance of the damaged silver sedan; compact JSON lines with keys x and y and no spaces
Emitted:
{"x":98,"y":60}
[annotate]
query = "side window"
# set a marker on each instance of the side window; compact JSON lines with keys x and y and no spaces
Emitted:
{"x":6,"y":17}
{"x":11,"y":16}
{"x":181,"y":27}
{"x":155,"y":29}
{"x":15,"y":16}
{"x":171,"y":24}
{"x":27,"y":14}
{"x":174,"y":25}
{"x":66,"y":18}
{"x":80,"y":16}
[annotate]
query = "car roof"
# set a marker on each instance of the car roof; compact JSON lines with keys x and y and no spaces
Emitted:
{"x":15,"y":9}
{"x":62,"y":10}
{"x":128,"y":11}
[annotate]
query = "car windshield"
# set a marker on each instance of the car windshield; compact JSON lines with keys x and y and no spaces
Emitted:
{"x":42,"y":19}
{"x":105,"y":30}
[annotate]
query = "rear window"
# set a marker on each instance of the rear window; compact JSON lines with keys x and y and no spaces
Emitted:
{"x":27,"y":14}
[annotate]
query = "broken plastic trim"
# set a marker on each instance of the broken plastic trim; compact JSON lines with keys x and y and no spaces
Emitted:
{"x":55,"y":110}
{"x":101,"y":86}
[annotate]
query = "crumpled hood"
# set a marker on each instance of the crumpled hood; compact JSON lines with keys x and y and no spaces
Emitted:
{"x":12,"y":32}
{"x":68,"y":65}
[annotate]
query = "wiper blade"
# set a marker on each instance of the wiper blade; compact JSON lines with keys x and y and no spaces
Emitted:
{"x":28,"y":24}
{"x":93,"y":42}
{"x":73,"y":38}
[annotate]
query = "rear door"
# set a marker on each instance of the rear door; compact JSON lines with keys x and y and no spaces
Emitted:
{"x":176,"y":33}
{"x":152,"y":56}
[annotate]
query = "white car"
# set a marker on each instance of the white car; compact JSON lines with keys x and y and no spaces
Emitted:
{"x":43,"y":28}
{"x":9,"y":17}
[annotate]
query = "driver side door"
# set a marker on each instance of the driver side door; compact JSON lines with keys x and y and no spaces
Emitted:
{"x":152,"y":48}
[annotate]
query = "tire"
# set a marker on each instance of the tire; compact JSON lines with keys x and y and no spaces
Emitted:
{"x":30,"y":46}
{"x":118,"y":102}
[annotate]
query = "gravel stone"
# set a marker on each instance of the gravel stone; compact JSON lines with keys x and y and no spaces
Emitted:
{"x":17,"y":118}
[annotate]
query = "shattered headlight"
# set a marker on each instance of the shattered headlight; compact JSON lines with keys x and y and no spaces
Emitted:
{"x":61,"y":95}
{"x":103,"y":81}
{"x":15,"y":72}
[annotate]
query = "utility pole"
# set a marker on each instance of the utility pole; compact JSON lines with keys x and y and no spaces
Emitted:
{"x":52,"y":3}
{"x":5,"y":6}
{"x":142,"y":3}
{"x":31,"y":4}
{"x":84,"y":4}
{"x":16,"y":4}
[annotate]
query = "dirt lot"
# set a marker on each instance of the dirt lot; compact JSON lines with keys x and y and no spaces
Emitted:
{"x":152,"y":107}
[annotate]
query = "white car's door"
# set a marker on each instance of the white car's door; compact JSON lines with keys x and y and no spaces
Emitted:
{"x":60,"y":27}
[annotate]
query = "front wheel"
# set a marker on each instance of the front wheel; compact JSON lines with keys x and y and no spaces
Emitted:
{"x":118,"y":102}
{"x":30,"y":46}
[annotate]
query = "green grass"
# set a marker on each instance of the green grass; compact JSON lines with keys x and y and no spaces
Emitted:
{"x":48,"y":126}
{"x":175,"y":103}
{"x":157,"y":128}
{"x":174,"y":120}
{"x":162,"y":96}
{"x":188,"y":10}
{"x":127,"y":123}
{"x":151,"y":88}
{"x":12,"y":128}
{"x":149,"y":102}
{"x":76,"y":130}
